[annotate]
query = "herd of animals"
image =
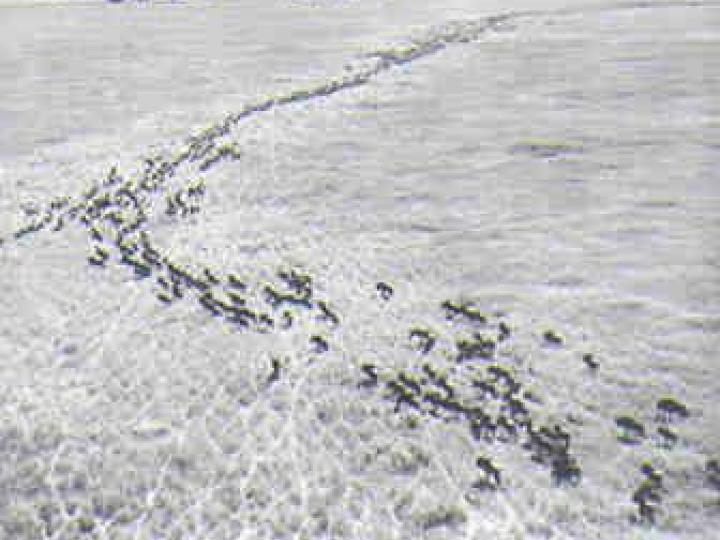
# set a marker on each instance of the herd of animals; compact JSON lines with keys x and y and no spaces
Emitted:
{"x":472,"y":386}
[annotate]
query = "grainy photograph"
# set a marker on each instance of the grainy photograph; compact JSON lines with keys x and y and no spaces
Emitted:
{"x":359,"y":270}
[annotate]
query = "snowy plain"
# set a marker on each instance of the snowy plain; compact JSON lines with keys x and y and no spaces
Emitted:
{"x":552,"y":165}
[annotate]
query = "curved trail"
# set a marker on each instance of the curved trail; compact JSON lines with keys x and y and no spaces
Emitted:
{"x":203,"y":147}
{"x":203,"y":151}
{"x":119,"y":212}
{"x":464,"y":376}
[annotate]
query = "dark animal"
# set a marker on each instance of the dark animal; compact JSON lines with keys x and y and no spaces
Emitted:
{"x":384,"y":290}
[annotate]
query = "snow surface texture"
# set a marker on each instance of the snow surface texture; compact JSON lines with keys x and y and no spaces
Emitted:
{"x":455,"y":275}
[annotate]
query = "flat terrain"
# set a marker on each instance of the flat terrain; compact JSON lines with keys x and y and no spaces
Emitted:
{"x":359,"y":270}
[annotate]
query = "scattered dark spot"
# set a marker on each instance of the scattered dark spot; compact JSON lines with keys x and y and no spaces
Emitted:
{"x":275,"y":298}
{"x":444,"y":402}
{"x":319,"y":344}
{"x":565,"y":470}
{"x":99,"y":256}
{"x":517,"y":410}
{"x":589,"y":361}
{"x":29,"y":229}
{"x":406,"y":399}
{"x":545,"y":149}
{"x":630,"y":431}
{"x":272,"y":297}
{"x":164,"y":297}
{"x":454,"y":310}
{"x":412,"y":422}
{"x":235,"y":298}
{"x":503,"y":331}
{"x":669,"y":409}
{"x":95,"y":234}
{"x":402,"y":395}
{"x":487,"y":388}
{"x":648,"y":497}
{"x":396,"y":388}
{"x":443,"y":517}
{"x":327,"y":314}
{"x":286,"y":320}
{"x":113,"y":177}
{"x":151,"y":256}
{"x":478,"y":346}
{"x":300,"y":284}
{"x":197,"y":189}
{"x":141,"y":268}
{"x":491,"y":478}
{"x":550,"y":446}
{"x":177,"y":290}
{"x":163,"y":282}
{"x":59,"y":202}
{"x":384,"y":290}
{"x":651,"y":472}
{"x":240,"y":315}
{"x":210,"y":303}
{"x":482,"y":426}
{"x":668,"y":438}
{"x":372,"y":376}
{"x":422,"y":340}
{"x":551,"y":337}
{"x":275,"y":374}
{"x":210,"y":277}
{"x":531,"y":397}
{"x":410,"y":381}
{"x":85,"y":525}
{"x":712,"y":470}
{"x":430,"y":371}
{"x":500,"y":373}
{"x":443,"y":383}
{"x":69,"y":349}
{"x":557,"y":434}
{"x":506,"y":429}
{"x":265,"y":321}
{"x":236,"y":282}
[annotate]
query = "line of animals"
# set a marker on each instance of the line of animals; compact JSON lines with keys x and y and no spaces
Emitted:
{"x":495,"y":407}
{"x":492,"y":403}
{"x":204,"y":146}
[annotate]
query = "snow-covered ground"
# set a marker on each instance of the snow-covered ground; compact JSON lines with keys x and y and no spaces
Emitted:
{"x":536,"y":182}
